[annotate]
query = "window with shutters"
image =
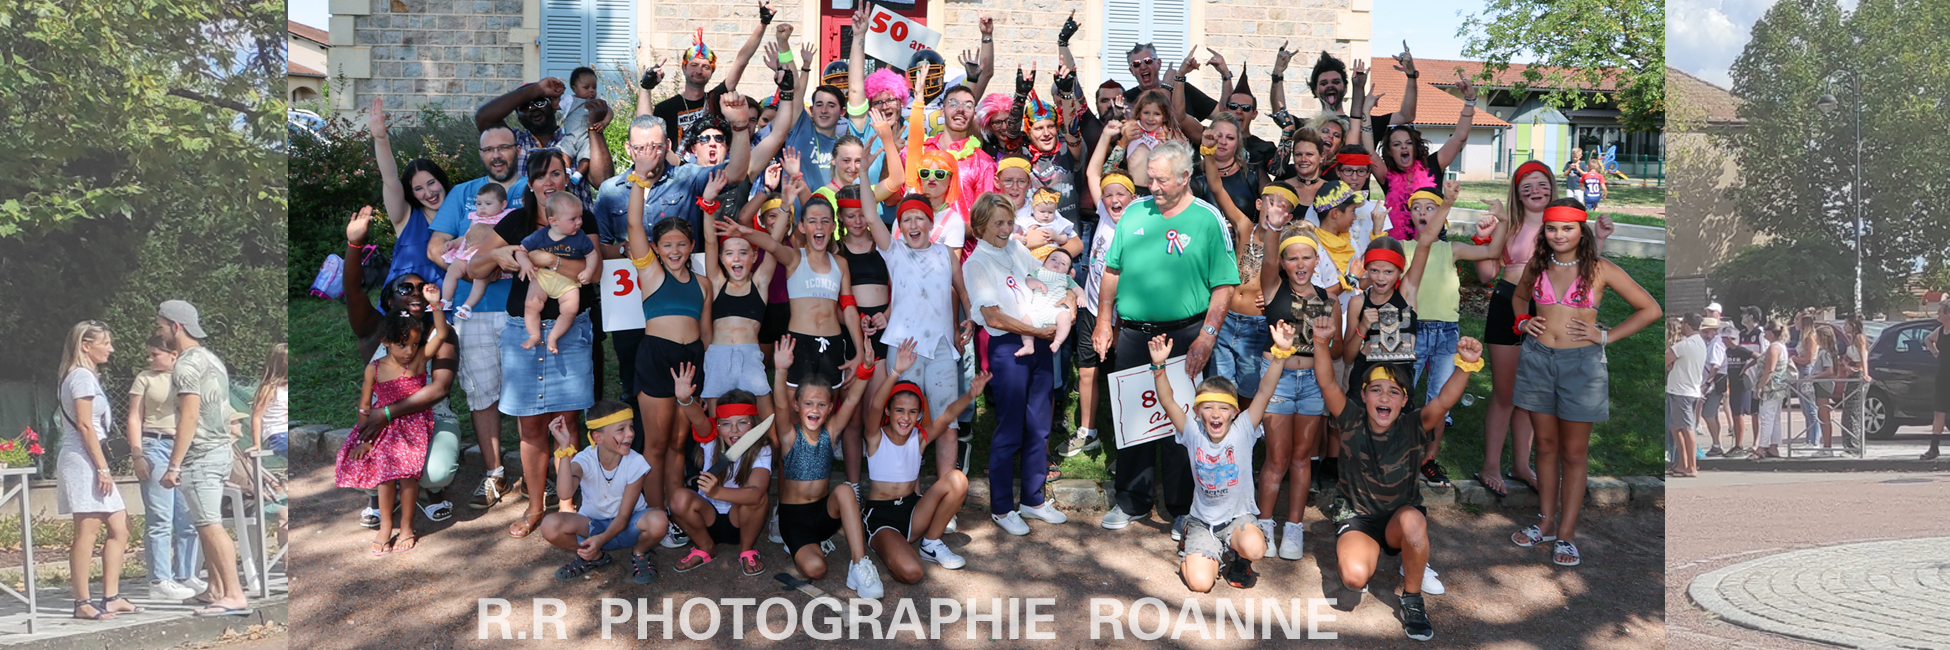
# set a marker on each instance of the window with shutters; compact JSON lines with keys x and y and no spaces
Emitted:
{"x":1166,"y":24}
{"x":597,"y":33}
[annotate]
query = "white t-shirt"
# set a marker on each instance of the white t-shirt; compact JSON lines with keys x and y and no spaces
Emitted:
{"x":998,"y":277}
{"x":1688,"y":367}
{"x":1093,"y":283}
{"x":1061,"y":227}
{"x":923,"y":305}
{"x":949,"y":228}
{"x":277,"y":413}
{"x":1222,"y":472}
{"x":763,"y":461}
{"x":602,"y":489}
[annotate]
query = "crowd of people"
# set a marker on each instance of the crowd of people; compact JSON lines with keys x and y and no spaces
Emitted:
{"x":1731,"y":377}
{"x":896,"y":243}
{"x":182,"y":439}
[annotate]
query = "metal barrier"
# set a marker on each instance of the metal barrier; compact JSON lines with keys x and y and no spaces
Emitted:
{"x":1854,"y":400}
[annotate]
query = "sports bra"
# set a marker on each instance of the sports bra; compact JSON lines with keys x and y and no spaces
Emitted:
{"x":866,"y":268}
{"x":749,"y":305}
{"x":685,"y":300}
{"x":896,"y":463}
{"x":809,"y":462}
{"x":1578,"y":297}
{"x":1521,"y":245}
{"x":805,"y":283}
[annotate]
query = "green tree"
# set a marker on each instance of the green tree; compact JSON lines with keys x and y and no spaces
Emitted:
{"x":1578,"y":46}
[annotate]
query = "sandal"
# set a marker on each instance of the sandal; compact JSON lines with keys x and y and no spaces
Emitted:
{"x":697,"y":558}
{"x":526,"y":526}
{"x":109,"y":600}
{"x":98,"y":615}
{"x":577,"y":567}
{"x":379,"y":549}
{"x":1531,"y":536}
{"x":1565,"y":549}
{"x":1497,"y":488}
{"x":408,"y":542}
{"x":749,"y":561}
{"x":643,"y":569}
{"x":1055,"y":474}
{"x":1526,"y":482}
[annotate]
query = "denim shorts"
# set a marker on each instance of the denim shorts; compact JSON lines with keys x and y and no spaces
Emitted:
{"x":1239,"y":354}
{"x":535,"y":382}
{"x":1297,"y":394}
{"x":625,"y":539}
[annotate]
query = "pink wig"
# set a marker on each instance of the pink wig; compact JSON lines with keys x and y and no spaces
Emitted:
{"x":886,"y":80}
{"x":991,"y":106}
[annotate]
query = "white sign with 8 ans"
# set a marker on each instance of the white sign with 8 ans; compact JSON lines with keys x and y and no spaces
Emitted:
{"x":1134,"y":402}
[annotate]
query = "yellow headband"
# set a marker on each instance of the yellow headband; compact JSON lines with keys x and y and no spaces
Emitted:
{"x":1299,"y":239}
{"x":1119,"y":179}
{"x":768,"y":206}
{"x":610,"y":419}
{"x":1221,"y":398}
{"x":1017,"y":163}
{"x":1379,"y":372}
{"x":1046,"y":196}
{"x":1424,"y":194}
{"x":1282,"y":192}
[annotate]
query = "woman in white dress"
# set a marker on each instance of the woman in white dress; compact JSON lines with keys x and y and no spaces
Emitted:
{"x":86,"y":486}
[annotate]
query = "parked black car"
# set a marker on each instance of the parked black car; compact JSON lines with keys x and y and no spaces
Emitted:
{"x":1904,"y":391}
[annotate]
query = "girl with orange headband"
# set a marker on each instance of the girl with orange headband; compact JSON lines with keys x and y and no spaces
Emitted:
{"x":811,"y":510}
{"x":1220,"y":436}
{"x":897,"y":513}
{"x":1562,"y":378}
{"x":727,"y":505}
{"x":1392,"y":281}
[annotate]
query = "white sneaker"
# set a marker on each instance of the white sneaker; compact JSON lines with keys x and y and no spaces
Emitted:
{"x":1430,"y":584}
{"x":195,"y":585}
{"x":1011,"y":522}
{"x":1046,"y":512}
{"x":675,"y":538}
{"x":951,"y":524}
{"x":864,"y":579}
{"x":1116,"y":519}
{"x":1266,"y":529}
{"x":933,"y":550}
{"x":1293,"y":542}
{"x":170,"y":590}
{"x":774,"y":535}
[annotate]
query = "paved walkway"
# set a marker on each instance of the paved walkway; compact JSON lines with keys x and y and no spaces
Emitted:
{"x":1893,"y":594}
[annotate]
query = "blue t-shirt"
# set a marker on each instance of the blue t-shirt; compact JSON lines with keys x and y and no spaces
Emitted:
{"x":674,"y":195}
{"x":815,"y":149}
{"x":453,"y":221}
{"x":572,"y":247}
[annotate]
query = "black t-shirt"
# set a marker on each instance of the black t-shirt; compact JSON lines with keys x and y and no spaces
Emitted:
{"x":518,"y":225}
{"x":679,"y":114}
{"x":1242,"y":186}
{"x":1197,"y":104}
{"x":1379,"y":468}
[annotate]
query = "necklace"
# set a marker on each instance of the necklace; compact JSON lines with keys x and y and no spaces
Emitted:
{"x":1573,"y":262}
{"x":612,"y":475}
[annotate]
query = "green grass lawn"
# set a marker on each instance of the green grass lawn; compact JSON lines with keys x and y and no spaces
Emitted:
{"x":1620,"y":192}
{"x":325,"y":377}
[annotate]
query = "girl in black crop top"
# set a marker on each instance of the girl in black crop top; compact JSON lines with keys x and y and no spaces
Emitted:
{"x":1376,"y":328}
{"x":1293,"y":423}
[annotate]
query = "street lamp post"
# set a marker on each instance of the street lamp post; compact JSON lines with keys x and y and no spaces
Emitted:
{"x":1829,"y":104}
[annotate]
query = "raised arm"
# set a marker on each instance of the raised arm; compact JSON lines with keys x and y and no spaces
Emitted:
{"x":789,"y":111}
{"x":750,"y":47}
{"x":785,"y":254}
{"x":1160,"y":348}
{"x":869,"y":201}
{"x":496,"y":110}
{"x":1406,"y":114}
{"x":895,"y":184}
{"x":1468,"y":350}
{"x":987,"y":53}
{"x":939,"y":426}
{"x":651,"y":76}
{"x":1283,"y":334}
{"x":1276,"y":94}
{"x":1095,"y":170}
{"x":856,"y":63}
{"x":1454,"y":146}
{"x":1330,"y":388}
{"x":358,"y":306}
{"x":397,"y":209}
{"x":1070,"y":28}
{"x":738,"y":168}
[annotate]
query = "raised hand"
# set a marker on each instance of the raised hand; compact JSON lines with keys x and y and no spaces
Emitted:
{"x":764,"y":13}
{"x":1207,"y":140}
{"x":376,"y":118}
{"x":652,"y":75}
{"x":1405,"y":61}
{"x":1066,"y":82}
{"x":783,"y":32}
{"x":1486,"y":226}
{"x":1368,"y":105}
{"x":1470,"y":349}
{"x":733,"y":104}
{"x":860,"y":14}
{"x":559,"y":429}
{"x":791,"y":159}
{"x":1070,"y":28}
{"x":1285,"y":56}
{"x":1603,"y":227}
{"x":684,"y":374}
{"x":1026,"y":81}
{"x":988,"y":26}
{"x":772,"y":54}
{"x":1283,"y":334}
{"x":713,"y":185}
{"x":808,"y":52}
{"x":1218,"y":62}
{"x":905,"y":357}
{"x":1496,"y":207}
{"x":1359,"y":76}
{"x":1468,"y":89}
{"x":772,"y":175}
{"x":727,"y":227}
{"x":1160,"y":349}
{"x":781,"y":353}
{"x":552,"y":87}
{"x":1323,"y":328}
{"x":1190,"y":63}
{"x":355,"y":230}
{"x":970,"y":64}
{"x":1131,"y":130}
{"x":980,"y":382}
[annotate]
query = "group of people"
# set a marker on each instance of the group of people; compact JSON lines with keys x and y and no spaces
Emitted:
{"x":1721,"y":375}
{"x":894,"y":244}
{"x":182,"y":436}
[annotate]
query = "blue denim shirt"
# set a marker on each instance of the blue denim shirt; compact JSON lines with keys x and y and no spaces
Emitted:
{"x":673,"y":196}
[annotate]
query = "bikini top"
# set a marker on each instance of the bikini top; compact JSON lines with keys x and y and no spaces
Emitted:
{"x":750,"y":305}
{"x":805,"y":283}
{"x":674,"y":298}
{"x":1579,"y":297}
{"x":809,"y":462}
{"x":895,"y":463}
{"x":1521,"y":245}
{"x":867,"y":268}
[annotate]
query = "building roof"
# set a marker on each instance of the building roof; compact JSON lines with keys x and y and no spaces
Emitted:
{"x":308,"y":32}
{"x":302,"y":71}
{"x":1443,"y":72}
{"x":1433,"y":105}
{"x":1721,"y":107}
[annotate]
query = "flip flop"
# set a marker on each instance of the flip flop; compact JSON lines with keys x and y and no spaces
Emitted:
{"x":220,"y":610}
{"x":1507,"y":476}
{"x":408,"y":542}
{"x":1498,"y":489}
{"x":526,"y":526}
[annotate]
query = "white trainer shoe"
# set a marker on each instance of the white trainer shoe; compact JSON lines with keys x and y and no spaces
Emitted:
{"x":1431,"y":585}
{"x":170,"y":590}
{"x":773,"y":536}
{"x":1011,"y":522}
{"x":1046,"y":512}
{"x":1293,"y":543}
{"x":933,"y":550}
{"x":864,"y":579}
{"x":1266,"y":530}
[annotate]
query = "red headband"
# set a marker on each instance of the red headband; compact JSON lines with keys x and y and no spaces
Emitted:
{"x":916,"y":204}
{"x":910,"y":387}
{"x":724,"y":411}
{"x":1526,"y":168}
{"x":1564,"y":213}
{"x":849,"y":203}
{"x":1354,"y":159}
{"x":1385,"y":255}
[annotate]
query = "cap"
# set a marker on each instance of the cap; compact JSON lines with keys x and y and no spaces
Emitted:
{"x":181,"y":313}
{"x":1714,"y":307}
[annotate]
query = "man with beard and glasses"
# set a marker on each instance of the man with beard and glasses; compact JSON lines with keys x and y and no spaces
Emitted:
{"x":689,"y":106}
{"x":1145,"y":67}
{"x":480,"y":334}
{"x":535,"y":106}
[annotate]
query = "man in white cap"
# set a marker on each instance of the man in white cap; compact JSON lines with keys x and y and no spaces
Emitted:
{"x":1715,"y":379}
{"x":200,"y":459}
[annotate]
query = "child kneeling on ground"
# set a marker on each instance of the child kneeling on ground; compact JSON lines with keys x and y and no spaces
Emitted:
{"x":609,"y":475}
{"x":1220,"y":443}
{"x":1381,"y":448}
{"x":730,"y":503}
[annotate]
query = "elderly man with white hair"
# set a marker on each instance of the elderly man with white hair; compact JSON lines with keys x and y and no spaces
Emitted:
{"x":1170,"y":271}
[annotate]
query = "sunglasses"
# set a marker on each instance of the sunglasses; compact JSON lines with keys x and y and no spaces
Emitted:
{"x":933,"y":174}
{"x":717,"y":138}
{"x":405,"y":289}
{"x":540,"y":103}
{"x":1240,"y":107}
{"x":1143,"y":62}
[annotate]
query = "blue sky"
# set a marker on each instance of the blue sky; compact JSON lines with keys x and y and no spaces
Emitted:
{"x":310,"y":12}
{"x":1429,"y":27}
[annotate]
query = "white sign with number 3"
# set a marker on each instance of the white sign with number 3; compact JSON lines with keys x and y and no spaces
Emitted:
{"x":1134,"y":402}
{"x":894,"y":39}
{"x":622,"y":301}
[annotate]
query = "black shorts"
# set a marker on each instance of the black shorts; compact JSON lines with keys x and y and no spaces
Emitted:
{"x":805,"y":523}
{"x":879,"y":349}
{"x":1086,"y":350}
{"x":657,"y":357}
{"x":897,"y":514}
{"x":1499,"y":326}
{"x":778,"y":317}
{"x":818,"y":354}
{"x":722,"y":531}
{"x":1375,"y":526}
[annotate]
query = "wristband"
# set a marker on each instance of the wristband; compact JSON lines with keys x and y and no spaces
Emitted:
{"x":785,"y":57}
{"x":1468,"y":366}
{"x":1520,"y":320}
{"x":709,"y":207}
{"x":1479,"y":240}
{"x":683,"y":402}
{"x":1278,"y":78}
{"x":1282,"y":353}
{"x":864,"y":372}
{"x":856,"y":110}
{"x":1207,"y":151}
{"x":1471,"y":103}
{"x":1179,"y":77}
{"x":805,"y":69}
{"x":847,"y":301}
{"x":389,"y":414}
{"x":988,"y":39}
{"x":1604,"y":337}
{"x":1414,"y":75}
{"x":565,"y":452}
{"x":1157,"y":366}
